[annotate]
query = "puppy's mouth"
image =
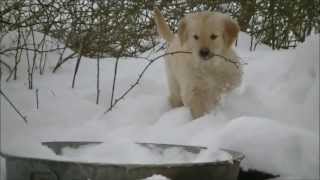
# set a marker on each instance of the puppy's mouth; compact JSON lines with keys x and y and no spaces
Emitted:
{"x":207,"y":57}
{"x":205,"y":54}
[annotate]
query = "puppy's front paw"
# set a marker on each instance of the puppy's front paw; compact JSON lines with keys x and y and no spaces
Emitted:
{"x":198,"y":107}
{"x":175,"y":101}
{"x":197,"y":112}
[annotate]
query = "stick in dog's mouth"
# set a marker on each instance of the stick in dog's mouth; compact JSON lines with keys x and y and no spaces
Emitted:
{"x":209,"y":57}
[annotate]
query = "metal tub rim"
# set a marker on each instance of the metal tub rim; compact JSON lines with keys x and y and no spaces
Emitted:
{"x":236,"y":156}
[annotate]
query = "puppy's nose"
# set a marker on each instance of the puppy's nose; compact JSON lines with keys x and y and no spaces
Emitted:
{"x":204,"y":52}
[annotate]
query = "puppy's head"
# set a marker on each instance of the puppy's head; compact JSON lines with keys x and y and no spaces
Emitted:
{"x":207,"y":34}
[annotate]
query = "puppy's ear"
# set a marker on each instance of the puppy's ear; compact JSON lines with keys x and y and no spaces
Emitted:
{"x":182,"y":31}
{"x":231,"y":31}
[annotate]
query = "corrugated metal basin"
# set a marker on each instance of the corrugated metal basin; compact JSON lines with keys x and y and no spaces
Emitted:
{"x":21,"y":168}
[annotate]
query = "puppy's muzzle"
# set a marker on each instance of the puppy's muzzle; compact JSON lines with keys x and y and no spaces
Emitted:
{"x":204,"y":53}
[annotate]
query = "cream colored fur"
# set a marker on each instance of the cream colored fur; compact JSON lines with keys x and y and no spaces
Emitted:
{"x":199,"y":81}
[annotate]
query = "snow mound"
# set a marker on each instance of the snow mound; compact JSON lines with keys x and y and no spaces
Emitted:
{"x":156,"y":177}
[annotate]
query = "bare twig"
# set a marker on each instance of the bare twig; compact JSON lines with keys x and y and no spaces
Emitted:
{"x":0,"y":113}
{"x":17,"y":57}
{"x":23,"y":47}
{"x":43,"y":67}
{"x":61,"y":55}
{"x":114,"y":83}
{"x":52,"y":92}
{"x":98,"y":80}
{"x":43,"y":55}
{"x":78,"y":62}
{"x":14,"y":107}
{"x":232,"y":61}
{"x":28,"y":62}
{"x":15,"y":68}
{"x":60,"y":62}
{"x":6,"y":65}
{"x":34,"y":57}
{"x":37,"y":98}
{"x":76,"y":70}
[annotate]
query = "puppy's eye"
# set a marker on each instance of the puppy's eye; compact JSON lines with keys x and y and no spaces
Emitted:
{"x":195,"y":37}
{"x":213,"y":36}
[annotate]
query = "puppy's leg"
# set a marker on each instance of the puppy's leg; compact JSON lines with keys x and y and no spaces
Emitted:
{"x":199,"y":102}
{"x":197,"y":99}
{"x":174,"y":97}
{"x":175,"y":101}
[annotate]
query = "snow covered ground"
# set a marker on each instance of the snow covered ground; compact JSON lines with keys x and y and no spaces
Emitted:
{"x":273,"y":118}
{"x":156,"y":177}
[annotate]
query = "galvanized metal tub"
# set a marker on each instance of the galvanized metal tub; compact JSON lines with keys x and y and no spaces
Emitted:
{"x":21,"y":168}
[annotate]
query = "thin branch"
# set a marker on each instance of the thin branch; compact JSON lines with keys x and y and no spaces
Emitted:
{"x":43,"y":67}
{"x":98,"y":80}
{"x":14,"y":107}
{"x":76,"y":70}
{"x":42,"y":61}
{"x":37,"y":98}
{"x":71,"y":56}
{"x":6,"y":65}
{"x":29,"y":49}
{"x":233,"y":61}
{"x":114,"y":83}
{"x":34,"y":57}
{"x":17,"y":57}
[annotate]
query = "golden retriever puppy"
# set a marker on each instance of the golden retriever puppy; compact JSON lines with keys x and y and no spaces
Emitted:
{"x":199,"y":78}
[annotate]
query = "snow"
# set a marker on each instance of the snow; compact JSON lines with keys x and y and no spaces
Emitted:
{"x":273,"y":118}
{"x":128,"y":152}
{"x":156,"y":177}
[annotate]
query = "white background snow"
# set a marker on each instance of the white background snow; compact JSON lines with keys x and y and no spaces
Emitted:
{"x":273,"y":118}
